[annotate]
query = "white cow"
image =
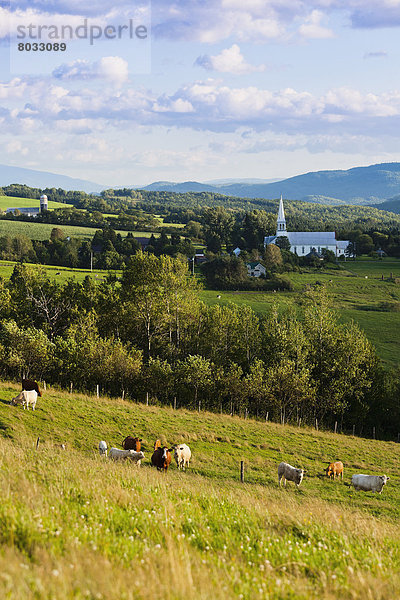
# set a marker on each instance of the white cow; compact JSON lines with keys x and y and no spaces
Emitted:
{"x":117,"y":454}
{"x":289,"y":473}
{"x":369,"y":483}
{"x":103,"y":448}
{"x":182,"y":455}
{"x":26,"y":398}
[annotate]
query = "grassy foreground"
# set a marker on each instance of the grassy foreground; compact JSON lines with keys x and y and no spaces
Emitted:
{"x":73,"y":525}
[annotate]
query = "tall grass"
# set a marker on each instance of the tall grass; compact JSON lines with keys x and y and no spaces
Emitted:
{"x":75,"y":525}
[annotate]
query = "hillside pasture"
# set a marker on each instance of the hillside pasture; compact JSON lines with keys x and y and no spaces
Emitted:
{"x":60,"y":274}
{"x":75,"y":525}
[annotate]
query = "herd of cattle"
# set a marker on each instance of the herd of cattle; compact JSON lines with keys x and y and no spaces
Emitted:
{"x":161,"y":457}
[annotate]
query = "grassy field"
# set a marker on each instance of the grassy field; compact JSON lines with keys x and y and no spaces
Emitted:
{"x":61,"y":274}
{"x":13,"y":202}
{"x":73,"y":525}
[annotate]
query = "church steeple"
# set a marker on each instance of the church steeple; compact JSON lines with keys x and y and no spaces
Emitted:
{"x":281,"y":224}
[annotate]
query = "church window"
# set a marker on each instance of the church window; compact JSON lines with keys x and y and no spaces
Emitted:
{"x":303,"y":250}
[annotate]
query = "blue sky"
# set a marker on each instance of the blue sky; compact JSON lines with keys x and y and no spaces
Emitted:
{"x":218,"y":89}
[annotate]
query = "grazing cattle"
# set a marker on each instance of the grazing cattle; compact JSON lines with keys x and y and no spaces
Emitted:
{"x":132,"y":455}
{"x":103,"y":448}
{"x":369,"y":483}
{"x":26,"y":398}
{"x":131,"y":443}
{"x":31,"y":384}
{"x":334,"y":469}
{"x":182,"y":455}
{"x":161,"y":458}
{"x":289,"y":473}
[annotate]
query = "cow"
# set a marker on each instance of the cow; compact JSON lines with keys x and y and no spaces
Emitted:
{"x":132,"y":443}
{"x":289,"y":473}
{"x":334,"y":469}
{"x":103,"y":448}
{"x":161,"y":458}
{"x":182,"y":455}
{"x":132,"y":455}
{"x":25,"y":398}
{"x":31,"y":384}
{"x":369,"y":483}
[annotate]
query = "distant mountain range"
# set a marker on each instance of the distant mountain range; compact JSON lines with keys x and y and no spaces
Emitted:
{"x":42,"y":179}
{"x":360,"y":185}
{"x":376,"y":185}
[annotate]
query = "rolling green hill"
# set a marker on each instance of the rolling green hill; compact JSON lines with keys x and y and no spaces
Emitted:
{"x":75,"y":525}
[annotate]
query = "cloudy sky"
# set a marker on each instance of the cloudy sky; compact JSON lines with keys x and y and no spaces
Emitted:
{"x":214,"y":89}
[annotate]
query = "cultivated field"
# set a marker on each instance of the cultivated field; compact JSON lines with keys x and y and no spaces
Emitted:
{"x":73,"y":525}
{"x":42,"y":231}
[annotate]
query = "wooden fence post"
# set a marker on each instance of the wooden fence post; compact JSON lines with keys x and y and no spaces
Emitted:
{"x":44,"y":385}
{"x":98,"y":390}
{"x":70,"y":387}
{"x":242,"y":471}
{"x":174,"y":402}
{"x":354,"y":430}
{"x":373,"y":433}
{"x":266,"y":417}
{"x":199,"y":405}
{"x":37,"y":443}
{"x":316,"y":424}
{"x":147,"y":398}
{"x":123,"y":395}
{"x":335,"y":426}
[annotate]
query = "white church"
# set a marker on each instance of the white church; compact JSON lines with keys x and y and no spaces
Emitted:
{"x":304,"y":242}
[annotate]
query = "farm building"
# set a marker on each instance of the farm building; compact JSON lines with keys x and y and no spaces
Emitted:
{"x":304,"y":242}
{"x":255,"y":269}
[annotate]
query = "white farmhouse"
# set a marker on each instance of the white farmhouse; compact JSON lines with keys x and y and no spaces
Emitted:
{"x":255,"y":269}
{"x":304,"y":242}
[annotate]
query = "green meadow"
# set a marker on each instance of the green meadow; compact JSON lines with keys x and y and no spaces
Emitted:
{"x":74,"y":525}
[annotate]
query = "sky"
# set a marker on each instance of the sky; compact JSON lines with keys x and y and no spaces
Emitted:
{"x":198,"y":89}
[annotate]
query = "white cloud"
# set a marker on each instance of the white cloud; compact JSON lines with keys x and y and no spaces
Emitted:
{"x":111,"y":68}
{"x":312,"y":27}
{"x":230,"y":60}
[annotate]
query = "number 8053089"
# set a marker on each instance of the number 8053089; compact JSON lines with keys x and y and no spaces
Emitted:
{"x":42,"y":47}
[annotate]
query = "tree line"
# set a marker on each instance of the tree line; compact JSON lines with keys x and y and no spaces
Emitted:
{"x":147,"y":334}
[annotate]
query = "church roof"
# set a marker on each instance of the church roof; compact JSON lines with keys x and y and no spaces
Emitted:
{"x":307,"y":238}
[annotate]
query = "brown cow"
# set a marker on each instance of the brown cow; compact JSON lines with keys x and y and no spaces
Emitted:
{"x":132,"y":443}
{"x":161,"y":458}
{"x":31,"y":384}
{"x":334,"y":469}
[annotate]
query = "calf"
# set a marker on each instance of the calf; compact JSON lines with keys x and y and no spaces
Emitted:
{"x":289,"y":473}
{"x":161,"y":458}
{"x":369,"y":483}
{"x":334,"y":469}
{"x":103,"y":448}
{"x":25,"y":398}
{"x":117,"y":454}
{"x":31,"y":384}
{"x":182,"y":455}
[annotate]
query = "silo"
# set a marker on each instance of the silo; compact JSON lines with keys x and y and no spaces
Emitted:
{"x":43,"y":203}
